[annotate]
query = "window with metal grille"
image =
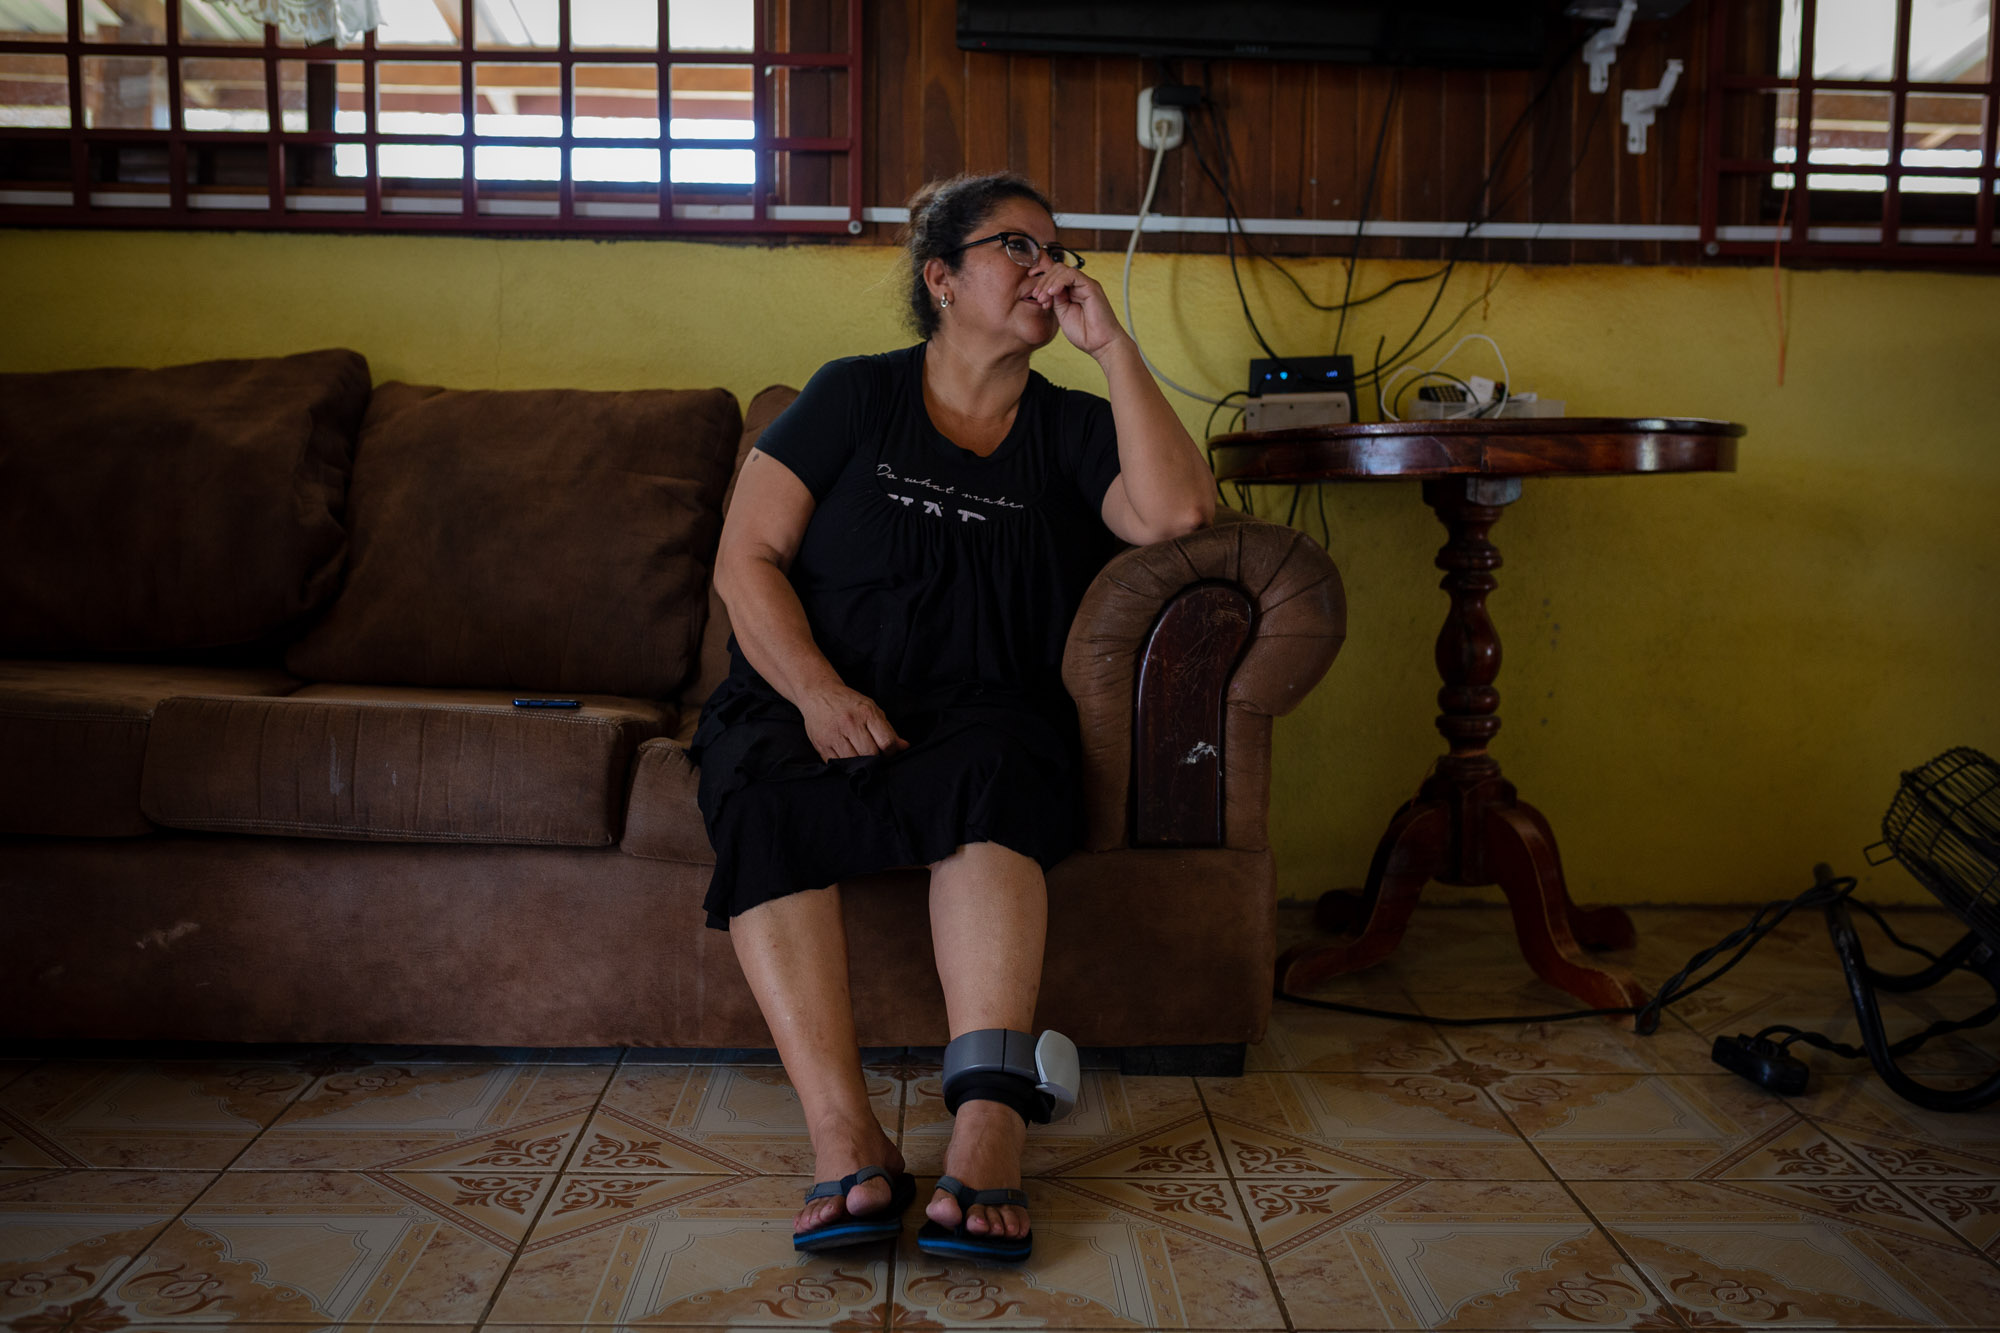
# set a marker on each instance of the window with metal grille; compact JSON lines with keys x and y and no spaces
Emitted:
{"x":1852,"y":130}
{"x":573,"y":116}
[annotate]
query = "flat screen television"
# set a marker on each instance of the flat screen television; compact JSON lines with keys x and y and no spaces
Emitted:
{"x":1493,"y":34}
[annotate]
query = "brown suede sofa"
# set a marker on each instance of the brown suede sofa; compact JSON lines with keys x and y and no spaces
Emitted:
{"x":262,"y":778}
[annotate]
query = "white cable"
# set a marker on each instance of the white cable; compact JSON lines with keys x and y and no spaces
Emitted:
{"x":1470,"y":409}
{"x":1388,"y":400}
{"x":1152,"y":183}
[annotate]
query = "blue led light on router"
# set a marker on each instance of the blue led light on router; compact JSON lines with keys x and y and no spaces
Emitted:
{"x":1314,"y":373}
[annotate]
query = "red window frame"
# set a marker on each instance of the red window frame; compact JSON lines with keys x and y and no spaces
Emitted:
{"x":682,"y":209}
{"x":1798,"y":236}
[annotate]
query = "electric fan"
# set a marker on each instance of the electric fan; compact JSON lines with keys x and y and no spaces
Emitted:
{"x":1944,"y":827}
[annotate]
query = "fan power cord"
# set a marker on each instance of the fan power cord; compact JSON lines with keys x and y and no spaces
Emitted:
{"x":1646,"y":1017}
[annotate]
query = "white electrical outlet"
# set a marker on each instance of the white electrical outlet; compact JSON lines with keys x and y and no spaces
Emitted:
{"x":1160,"y":126}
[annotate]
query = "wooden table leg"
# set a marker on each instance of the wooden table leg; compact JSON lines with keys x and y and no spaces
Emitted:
{"x":1466,"y":826}
{"x":1409,"y":856}
{"x":1521,"y":853}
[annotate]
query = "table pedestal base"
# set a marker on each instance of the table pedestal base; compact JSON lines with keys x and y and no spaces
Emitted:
{"x":1466,"y":826}
{"x":1519,"y":854}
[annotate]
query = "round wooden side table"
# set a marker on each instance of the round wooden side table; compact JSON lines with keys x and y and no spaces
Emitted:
{"x":1466,"y":826}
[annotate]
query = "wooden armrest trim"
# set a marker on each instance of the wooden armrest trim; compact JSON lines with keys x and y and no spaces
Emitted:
{"x":1298,"y":617}
{"x":1177,"y":723}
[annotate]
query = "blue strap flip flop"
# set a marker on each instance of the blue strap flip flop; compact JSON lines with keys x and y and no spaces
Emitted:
{"x":882,"y":1224}
{"x":958,"y":1243}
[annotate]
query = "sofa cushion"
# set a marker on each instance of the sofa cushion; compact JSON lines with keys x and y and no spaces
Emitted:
{"x":714,"y":661}
{"x":553,"y":540}
{"x":73,"y":739}
{"x":398,"y":764}
{"x":144,"y":511}
{"x":662,"y":820}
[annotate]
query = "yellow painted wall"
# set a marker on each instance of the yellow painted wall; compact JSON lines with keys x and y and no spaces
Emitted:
{"x":1711,"y":682}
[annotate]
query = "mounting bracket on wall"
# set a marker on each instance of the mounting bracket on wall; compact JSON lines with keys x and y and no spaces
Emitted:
{"x":1642,"y":103}
{"x":1602,"y":48}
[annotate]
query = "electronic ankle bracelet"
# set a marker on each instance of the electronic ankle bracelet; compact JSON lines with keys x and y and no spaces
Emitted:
{"x":1039,"y":1079}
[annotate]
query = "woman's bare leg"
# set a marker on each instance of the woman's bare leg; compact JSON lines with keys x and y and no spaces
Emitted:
{"x":989,"y":921}
{"x":794,"y":953}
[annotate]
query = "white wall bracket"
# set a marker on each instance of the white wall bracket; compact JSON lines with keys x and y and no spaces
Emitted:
{"x":1602,"y":48}
{"x":1642,"y":103}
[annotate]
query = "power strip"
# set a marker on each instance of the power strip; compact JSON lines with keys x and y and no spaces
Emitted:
{"x":1512,"y":409}
{"x":1450,"y":402}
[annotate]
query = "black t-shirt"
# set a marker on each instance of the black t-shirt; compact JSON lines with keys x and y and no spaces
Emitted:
{"x":932,"y":577}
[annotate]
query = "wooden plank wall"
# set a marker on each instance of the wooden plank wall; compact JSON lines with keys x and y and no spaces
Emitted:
{"x":1300,"y":138}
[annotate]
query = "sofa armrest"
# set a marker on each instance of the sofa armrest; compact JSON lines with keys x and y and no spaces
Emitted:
{"x":1180,"y":655}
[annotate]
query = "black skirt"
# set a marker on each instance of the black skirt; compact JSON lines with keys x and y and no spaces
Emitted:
{"x":782,"y":820}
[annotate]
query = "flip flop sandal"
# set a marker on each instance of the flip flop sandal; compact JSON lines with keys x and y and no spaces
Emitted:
{"x":882,"y":1224}
{"x":958,"y":1243}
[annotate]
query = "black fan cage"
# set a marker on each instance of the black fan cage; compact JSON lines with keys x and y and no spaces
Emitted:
{"x":1944,"y":826}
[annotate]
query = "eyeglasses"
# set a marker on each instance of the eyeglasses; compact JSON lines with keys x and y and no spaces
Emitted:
{"x":1025,"y":250}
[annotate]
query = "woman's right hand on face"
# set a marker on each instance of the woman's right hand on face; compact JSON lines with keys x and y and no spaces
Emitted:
{"x":846,"y":724}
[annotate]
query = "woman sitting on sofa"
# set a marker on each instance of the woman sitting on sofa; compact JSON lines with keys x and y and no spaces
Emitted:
{"x":905,"y":552}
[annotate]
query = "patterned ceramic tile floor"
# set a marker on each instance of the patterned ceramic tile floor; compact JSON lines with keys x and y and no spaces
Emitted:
{"x":1363,"y":1174}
